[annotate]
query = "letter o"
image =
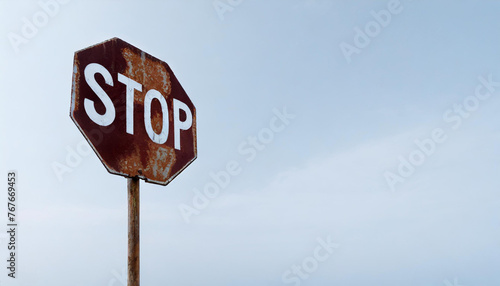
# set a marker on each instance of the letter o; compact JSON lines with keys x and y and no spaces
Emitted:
{"x":310,"y":264}
{"x":148,"y":100}
{"x":215,"y":190}
{"x":369,"y":31}
{"x":269,"y":135}
{"x":83,"y":148}
{"x":96,"y":135}
{"x":44,"y":17}
{"x":474,"y":105}
{"x":412,"y":158}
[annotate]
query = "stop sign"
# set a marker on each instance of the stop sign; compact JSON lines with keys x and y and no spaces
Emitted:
{"x":133,"y":112}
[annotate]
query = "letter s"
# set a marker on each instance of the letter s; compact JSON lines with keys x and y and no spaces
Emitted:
{"x":447,"y":117}
{"x":243,"y":151}
{"x":109,"y":116}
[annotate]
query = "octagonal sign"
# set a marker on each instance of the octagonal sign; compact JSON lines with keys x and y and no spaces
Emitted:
{"x":133,"y":112}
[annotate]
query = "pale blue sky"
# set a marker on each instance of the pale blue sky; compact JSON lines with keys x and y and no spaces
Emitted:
{"x":323,"y":176}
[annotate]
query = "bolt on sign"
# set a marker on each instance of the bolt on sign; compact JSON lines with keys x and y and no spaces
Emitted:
{"x":133,"y":111}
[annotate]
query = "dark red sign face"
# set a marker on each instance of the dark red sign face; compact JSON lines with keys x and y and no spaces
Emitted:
{"x":133,"y":112}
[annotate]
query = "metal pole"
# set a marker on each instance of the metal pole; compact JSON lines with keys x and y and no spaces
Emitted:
{"x":133,"y":232}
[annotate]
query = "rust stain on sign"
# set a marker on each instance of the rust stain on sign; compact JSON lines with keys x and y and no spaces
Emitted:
{"x":151,"y":73}
{"x":125,"y":147}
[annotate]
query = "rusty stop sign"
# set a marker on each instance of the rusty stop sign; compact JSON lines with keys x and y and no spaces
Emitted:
{"x":133,"y":111}
{"x":138,"y":120}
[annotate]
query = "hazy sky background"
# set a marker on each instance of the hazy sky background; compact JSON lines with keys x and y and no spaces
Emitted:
{"x":322,"y":177}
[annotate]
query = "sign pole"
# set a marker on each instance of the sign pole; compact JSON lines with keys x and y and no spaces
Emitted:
{"x":133,"y":231}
